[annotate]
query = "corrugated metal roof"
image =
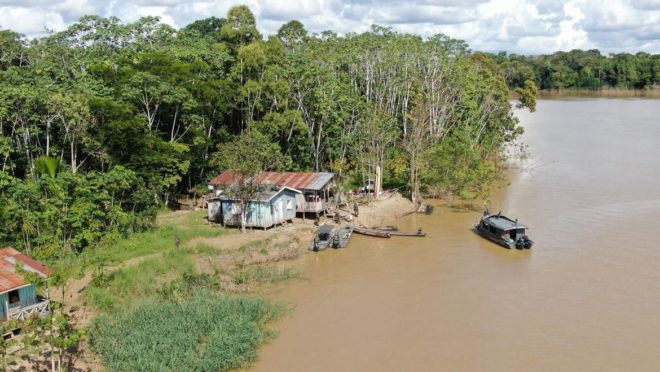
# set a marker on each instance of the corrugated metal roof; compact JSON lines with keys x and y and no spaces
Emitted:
{"x":9,"y":278}
{"x":296,"y":180}
{"x":265,"y":195}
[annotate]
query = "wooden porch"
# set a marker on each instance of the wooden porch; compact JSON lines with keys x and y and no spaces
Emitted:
{"x":17,"y":312}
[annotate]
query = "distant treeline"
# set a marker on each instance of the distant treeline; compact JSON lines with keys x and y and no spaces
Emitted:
{"x":579,"y":69}
{"x":102,"y":123}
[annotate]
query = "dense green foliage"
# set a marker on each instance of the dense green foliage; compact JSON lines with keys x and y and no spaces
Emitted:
{"x":139,"y":113}
{"x":582,"y":69}
{"x":209,"y":332}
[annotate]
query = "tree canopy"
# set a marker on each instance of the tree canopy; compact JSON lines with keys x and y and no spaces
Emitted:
{"x":582,"y":69}
{"x":102,"y":123}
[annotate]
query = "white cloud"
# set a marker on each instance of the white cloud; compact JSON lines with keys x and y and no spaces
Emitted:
{"x":520,"y":26}
{"x":29,"y":21}
{"x":572,"y":36}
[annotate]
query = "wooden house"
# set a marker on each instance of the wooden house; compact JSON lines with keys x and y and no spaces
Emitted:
{"x":316,"y":189}
{"x":273,"y":206}
{"x":18,"y":298}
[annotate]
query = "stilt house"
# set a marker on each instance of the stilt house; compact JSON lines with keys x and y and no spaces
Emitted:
{"x":18,"y":298}
{"x":316,"y":189}
{"x":273,"y":206}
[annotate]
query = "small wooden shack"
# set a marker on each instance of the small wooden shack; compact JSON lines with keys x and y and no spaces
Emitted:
{"x":18,"y":298}
{"x":273,"y":206}
{"x":316,"y":189}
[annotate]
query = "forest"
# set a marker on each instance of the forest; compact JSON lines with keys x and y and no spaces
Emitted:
{"x":105,"y":123}
{"x":580,"y":69}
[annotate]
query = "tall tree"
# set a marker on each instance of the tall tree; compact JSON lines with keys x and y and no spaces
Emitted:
{"x":248,"y":155}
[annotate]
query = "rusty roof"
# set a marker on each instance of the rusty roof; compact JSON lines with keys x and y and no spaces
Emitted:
{"x":296,"y":180}
{"x":264,"y":196}
{"x":9,"y":278}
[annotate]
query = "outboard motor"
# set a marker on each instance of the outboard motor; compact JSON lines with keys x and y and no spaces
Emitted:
{"x":524,"y":242}
{"x":520,"y":243}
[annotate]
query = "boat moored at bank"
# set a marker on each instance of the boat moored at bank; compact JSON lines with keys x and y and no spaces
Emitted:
{"x":323,"y":238}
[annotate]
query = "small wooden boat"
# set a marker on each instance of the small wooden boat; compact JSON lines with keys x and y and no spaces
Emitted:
{"x":372,"y":232}
{"x":323,"y":238}
{"x":342,"y":236}
{"x":418,"y":233}
{"x":394,"y":231}
{"x":385,"y":228}
{"x":503,"y":231}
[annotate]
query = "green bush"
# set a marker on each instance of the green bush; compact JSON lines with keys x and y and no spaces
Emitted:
{"x":208,"y":332}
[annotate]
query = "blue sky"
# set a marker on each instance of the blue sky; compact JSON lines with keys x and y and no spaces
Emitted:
{"x":520,"y":26}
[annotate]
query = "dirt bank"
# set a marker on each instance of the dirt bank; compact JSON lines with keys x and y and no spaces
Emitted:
{"x":243,"y":263}
{"x":381,"y":211}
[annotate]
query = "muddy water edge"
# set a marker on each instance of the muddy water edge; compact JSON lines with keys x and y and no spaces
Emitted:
{"x":585,"y":298}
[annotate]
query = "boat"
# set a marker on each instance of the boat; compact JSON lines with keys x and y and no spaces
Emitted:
{"x":394,"y":231}
{"x":342,"y":236}
{"x":323,"y":238}
{"x":372,"y":232}
{"x":385,"y":228}
{"x":418,"y":233}
{"x":504,"y":231}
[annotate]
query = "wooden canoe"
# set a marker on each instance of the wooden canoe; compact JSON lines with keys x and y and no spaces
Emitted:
{"x":395,"y":231}
{"x":416,"y":233}
{"x":384,"y":228}
{"x":372,"y":232}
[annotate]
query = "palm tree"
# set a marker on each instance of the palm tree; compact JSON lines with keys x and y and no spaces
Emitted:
{"x":47,"y":165}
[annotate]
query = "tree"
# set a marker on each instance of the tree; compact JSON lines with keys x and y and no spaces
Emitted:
{"x":376,"y":133}
{"x":245,"y":157}
{"x":47,"y":165}
{"x":292,"y":33}
{"x":240,"y":28}
{"x":527,"y":95}
{"x":206,"y":27}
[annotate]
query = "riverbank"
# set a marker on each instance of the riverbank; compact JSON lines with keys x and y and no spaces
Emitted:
{"x":599,"y":93}
{"x":380,"y":212}
{"x":153,"y":268}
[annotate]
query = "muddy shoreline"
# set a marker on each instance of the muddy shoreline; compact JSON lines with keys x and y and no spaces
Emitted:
{"x":282,"y":247}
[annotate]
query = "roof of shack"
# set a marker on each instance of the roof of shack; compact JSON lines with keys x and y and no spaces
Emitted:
{"x":9,"y":278}
{"x":296,"y":180}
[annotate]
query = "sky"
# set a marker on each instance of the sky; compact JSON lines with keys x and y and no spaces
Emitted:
{"x":515,"y":26}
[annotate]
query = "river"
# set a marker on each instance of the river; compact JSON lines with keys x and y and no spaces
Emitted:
{"x":585,"y":298}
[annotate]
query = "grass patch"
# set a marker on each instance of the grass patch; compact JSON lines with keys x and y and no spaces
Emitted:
{"x":172,"y":225}
{"x":161,"y":314}
{"x":189,"y":283}
{"x":208,"y":332}
{"x":112,"y":291}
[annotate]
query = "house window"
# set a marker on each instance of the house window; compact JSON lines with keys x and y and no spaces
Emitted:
{"x":289,"y":204}
{"x":235,"y":208}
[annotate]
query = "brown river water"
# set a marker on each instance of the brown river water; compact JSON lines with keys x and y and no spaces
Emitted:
{"x":585,"y":298}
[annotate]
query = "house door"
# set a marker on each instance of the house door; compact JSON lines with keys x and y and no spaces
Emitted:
{"x":14,"y":299}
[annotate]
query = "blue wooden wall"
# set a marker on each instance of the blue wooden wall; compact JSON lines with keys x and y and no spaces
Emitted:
{"x":3,"y":302}
{"x":263,"y":214}
{"x":28,"y":295}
